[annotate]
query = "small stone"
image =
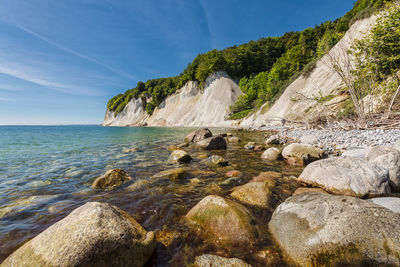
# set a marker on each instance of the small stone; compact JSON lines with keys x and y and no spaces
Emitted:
{"x":250,"y":145}
{"x":208,"y":260}
{"x":301,"y":154}
{"x":233,"y":173}
{"x":217,"y":160}
{"x":259,"y":148}
{"x":130,"y":150}
{"x":271,"y":154}
{"x":273,"y":140}
{"x":229,"y":134}
{"x":179,"y":156}
{"x":111,"y":179}
{"x":232,"y":181}
{"x":233,"y":140}
{"x":176,"y":174}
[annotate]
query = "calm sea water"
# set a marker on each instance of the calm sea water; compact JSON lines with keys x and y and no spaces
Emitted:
{"x":47,"y":171}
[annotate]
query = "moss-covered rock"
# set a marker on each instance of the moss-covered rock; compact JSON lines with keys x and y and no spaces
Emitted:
{"x":95,"y":234}
{"x":316,"y":229}
{"x":224,"y":220}
{"x":176,"y":174}
{"x":111,"y":179}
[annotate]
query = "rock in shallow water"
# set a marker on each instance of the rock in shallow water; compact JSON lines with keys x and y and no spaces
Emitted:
{"x":233,"y":139}
{"x":176,"y":174}
{"x":224,"y":220}
{"x":208,"y":260}
{"x":216,"y":142}
{"x":198,"y":135}
{"x":111,"y":179}
{"x":253,"y":193}
{"x":95,"y":234}
{"x":347,"y":176}
{"x":179,"y":156}
{"x":315,"y":229}
{"x":271,"y":154}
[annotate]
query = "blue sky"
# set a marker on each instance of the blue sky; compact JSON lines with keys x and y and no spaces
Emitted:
{"x":60,"y":61}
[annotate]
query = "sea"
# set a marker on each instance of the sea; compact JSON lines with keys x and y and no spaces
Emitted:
{"x":47,"y":171}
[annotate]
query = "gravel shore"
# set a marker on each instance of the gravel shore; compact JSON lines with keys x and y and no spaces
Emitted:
{"x":340,"y":139}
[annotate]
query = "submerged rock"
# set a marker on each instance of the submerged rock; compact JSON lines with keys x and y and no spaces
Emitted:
{"x":301,"y":154}
{"x":130,"y":150}
{"x":233,"y":139}
{"x":95,"y":234}
{"x":111,"y":179}
{"x":315,"y":229}
{"x":388,"y":158}
{"x":250,"y":145}
{"x":198,"y":135}
{"x":176,"y":174}
{"x":253,"y":193}
{"x":232,"y":181}
{"x":179,"y":156}
{"x":216,"y":142}
{"x":347,"y":176}
{"x":271,"y":154}
{"x":233,"y":173}
{"x":208,"y":260}
{"x":217,"y":160}
{"x":224,"y":220}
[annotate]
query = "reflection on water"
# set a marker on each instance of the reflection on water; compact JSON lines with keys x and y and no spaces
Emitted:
{"x":46,"y":172}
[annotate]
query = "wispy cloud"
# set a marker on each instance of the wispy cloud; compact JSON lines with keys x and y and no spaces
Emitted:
{"x":5,"y":99}
{"x":210,"y":27}
{"x":75,"y":53}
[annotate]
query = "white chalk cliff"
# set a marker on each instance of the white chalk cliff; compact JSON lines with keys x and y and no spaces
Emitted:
{"x":192,"y":106}
{"x":299,"y":100}
{"x":189,"y":106}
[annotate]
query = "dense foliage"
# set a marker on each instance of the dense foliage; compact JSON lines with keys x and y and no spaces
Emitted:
{"x":377,"y":57}
{"x":262,"y":67}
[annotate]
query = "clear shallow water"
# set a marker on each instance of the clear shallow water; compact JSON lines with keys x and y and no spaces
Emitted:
{"x":47,"y":171}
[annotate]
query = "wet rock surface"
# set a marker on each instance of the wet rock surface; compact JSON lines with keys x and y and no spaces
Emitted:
{"x":216,"y":142}
{"x":316,"y":229}
{"x":111,"y":179}
{"x":95,"y":234}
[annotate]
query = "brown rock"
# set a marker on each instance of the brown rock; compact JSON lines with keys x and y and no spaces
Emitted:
{"x":111,"y":179}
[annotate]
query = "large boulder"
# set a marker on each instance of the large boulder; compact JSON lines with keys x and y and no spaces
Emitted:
{"x":316,"y":229}
{"x":179,"y":156}
{"x":111,"y":179}
{"x":301,"y":154}
{"x":198,"y":135}
{"x":253,"y":193}
{"x":356,"y":152}
{"x":224,"y":220}
{"x":388,"y":158}
{"x":271,"y":154}
{"x":347,"y":176}
{"x":208,"y":260}
{"x":95,"y":234}
{"x":391,"y":203}
{"x":215,"y":142}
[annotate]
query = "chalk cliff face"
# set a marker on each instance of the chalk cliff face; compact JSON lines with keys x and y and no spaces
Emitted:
{"x":300,"y":102}
{"x":189,"y":106}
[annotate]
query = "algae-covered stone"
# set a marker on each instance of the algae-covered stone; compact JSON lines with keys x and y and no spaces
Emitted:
{"x":315,"y":229}
{"x":215,"y":142}
{"x":253,"y":193}
{"x":111,"y":179}
{"x":208,"y":260}
{"x":224,"y":220}
{"x":347,"y":176}
{"x":301,"y":154}
{"x":198,"y":135}
{"x":217,"y":160}
{"x":95,"y":234}
{"x":176,"y":174}
{"x":179,"y":156}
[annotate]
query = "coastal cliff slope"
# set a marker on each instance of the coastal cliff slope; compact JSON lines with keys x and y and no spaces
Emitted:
{"x":189,"y":106}
{"x":301,"y":100}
